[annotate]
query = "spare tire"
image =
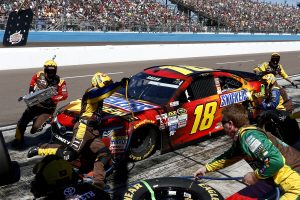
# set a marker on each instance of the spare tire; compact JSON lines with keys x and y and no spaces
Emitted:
{"x":9,"y":172}
{"x":171,"y":188}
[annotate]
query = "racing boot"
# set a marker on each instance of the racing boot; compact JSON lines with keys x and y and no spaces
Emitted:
{"x":99,"y":176}
{"x":33,"y":151}
{"x":18,"y":142}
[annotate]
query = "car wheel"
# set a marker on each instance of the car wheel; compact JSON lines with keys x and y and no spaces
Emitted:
{"x":280,"y":125}
{"x":142,"y":144}
{"x":171,"y":188}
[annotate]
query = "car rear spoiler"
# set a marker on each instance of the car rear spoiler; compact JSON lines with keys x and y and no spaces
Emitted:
{"x":246,"y":75}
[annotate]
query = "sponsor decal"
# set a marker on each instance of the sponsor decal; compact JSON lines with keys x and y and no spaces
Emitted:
{"x":107,"y":133}
{"x":162,"y":120}
{"x":174,"y":120}
{"x":174,"y":103}
{"x":181,"y":111}
{"x":153,"y":78}
{"x":15,"y":38}
{"x":113,"y":111}
{"x":172,"y":113}
{"x":182,"y":120}
{"x":136,"y":106}
{"x":118,"y":144}
{"x":234,"y":97}
{"x":69,"y":191}
{"x":143,"y":122}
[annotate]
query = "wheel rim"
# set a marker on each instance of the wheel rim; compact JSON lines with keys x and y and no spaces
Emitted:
{"x":140,"y":144}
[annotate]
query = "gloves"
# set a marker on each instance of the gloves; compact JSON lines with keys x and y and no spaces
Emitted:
{"x":124,"y":81}
{"x":293,"y":84}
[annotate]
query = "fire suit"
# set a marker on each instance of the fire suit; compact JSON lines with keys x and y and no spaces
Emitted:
{"x":264,"y":157}
{"x":42,"y":111}
{"x":86,"y":139}
{"x":265,"y":68}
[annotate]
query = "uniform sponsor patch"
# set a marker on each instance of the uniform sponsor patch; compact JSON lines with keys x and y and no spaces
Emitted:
{"x":76,"y":144}
{"x":234,"y":97}
{"x":254,"y":145}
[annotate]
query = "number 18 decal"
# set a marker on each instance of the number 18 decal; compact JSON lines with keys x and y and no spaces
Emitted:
{"x":204,"y":119}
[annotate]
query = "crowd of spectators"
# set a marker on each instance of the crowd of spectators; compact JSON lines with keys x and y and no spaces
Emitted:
{"x":151,"y":15}
{"x":100,"y":14}
{"x":248,"y":15}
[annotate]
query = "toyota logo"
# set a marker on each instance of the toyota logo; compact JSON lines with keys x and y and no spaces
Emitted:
{"x":69,"y":191}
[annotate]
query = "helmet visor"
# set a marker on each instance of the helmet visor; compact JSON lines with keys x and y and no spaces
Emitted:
{"x":50,"y":72}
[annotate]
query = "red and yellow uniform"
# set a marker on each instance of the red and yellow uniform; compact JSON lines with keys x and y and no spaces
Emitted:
{"x":265,"y":68}
{"x":42,"y":111}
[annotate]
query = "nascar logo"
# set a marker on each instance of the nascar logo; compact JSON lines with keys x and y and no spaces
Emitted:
{"x":234,"y":97}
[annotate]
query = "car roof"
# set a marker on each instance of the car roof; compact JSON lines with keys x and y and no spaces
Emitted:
{"x":180,"y":70}
{"x":185,"y":71}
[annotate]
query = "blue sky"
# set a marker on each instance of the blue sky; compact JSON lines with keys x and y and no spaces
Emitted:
{"x":289,"y":2}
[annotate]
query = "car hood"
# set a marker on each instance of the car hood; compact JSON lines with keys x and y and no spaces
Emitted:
{"x":118,"y":105}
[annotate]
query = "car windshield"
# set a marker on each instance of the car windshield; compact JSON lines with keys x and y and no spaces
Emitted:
{"x":154,"y":89}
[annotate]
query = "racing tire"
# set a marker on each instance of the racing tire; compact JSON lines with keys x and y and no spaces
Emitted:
{"x":142,"y":144}
{"x":280,"y":125}
{"x":171,"y":188}
{"x":9,"y":171}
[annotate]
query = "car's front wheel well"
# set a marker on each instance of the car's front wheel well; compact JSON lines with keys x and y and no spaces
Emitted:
{"x":144,"y":142}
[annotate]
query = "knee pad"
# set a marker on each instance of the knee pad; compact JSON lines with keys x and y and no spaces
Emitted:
{"x":67,"y":154}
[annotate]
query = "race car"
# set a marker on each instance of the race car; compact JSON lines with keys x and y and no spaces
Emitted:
{"x":164,"y":108}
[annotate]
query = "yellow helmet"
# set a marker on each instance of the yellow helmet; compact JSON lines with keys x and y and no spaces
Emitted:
{"x":50,"y":64}
{"x":50,"y":68}
{"x":275,"y":55}
{"x":101,"y":80}
{"x":269,"y":79}
{"x":275,"y":58}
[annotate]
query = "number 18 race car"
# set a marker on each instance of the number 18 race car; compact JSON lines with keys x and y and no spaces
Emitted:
{"x":165,"y":108}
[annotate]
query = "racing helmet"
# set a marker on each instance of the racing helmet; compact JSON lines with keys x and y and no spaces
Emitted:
{"x":101,"y":80}
{"x":268,"y":79}
{"x":50,"y":69}
{"x":275,"y":58}
{"x":50,"y":174}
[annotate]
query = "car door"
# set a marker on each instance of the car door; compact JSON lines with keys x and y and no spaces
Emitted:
{"x":197,"y":112}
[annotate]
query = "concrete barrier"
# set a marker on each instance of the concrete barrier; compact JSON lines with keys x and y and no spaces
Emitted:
{"x":18,"y":58}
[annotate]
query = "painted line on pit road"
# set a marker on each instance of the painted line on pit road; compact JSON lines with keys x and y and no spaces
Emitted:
{"x":83,"y":76}
{"x":13,"y":126}
{"x":239,"y":61}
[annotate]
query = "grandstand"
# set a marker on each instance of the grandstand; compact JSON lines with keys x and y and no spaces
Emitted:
{"x":158,"y":15}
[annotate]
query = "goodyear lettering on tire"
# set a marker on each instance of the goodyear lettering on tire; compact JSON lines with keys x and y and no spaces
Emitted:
{"x":131,"y":191}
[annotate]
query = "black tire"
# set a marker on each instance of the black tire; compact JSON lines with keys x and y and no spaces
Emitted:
{"x":280,"y":125}
{"x":9,"y":171}
{"x":142,"y":144}
{"x":172,"y":188}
